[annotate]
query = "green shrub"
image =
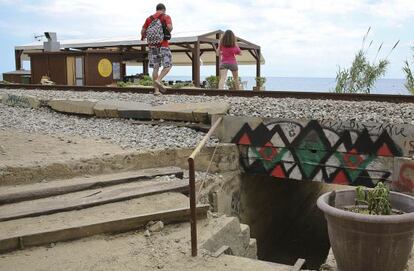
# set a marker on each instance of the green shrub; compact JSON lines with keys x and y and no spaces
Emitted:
{"x":230,"y":82}
{"x":146,"y":81}
{"x":260,"y":81}
{"x":212,"y":82}
{"x":362,"y":75}
{"x":409,"y":75}
{"x":4,"y":82}
{"x":377,"y":200}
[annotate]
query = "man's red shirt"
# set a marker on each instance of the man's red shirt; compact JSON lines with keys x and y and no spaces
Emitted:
{"x":165,"y":19}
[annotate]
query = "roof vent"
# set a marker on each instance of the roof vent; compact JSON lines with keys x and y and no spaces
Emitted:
{"x":51,"y":45}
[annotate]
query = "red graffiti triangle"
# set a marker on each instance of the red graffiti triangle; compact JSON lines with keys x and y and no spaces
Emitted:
{"x":384,"y":151}
{"x":245,"y":140}
{"x":341,"y":178}
{"x":278,"y":172}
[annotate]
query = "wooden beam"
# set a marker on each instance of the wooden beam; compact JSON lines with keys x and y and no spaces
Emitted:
{"x":216,"y":48}
{"x":196,"y":64}
{"x":189,"y":55}
{"x":109,"y":226}
{"x":258,"y":67}
{"x":37,"y":191}
{"x":89,"y":198}
{"x":18,"y":59}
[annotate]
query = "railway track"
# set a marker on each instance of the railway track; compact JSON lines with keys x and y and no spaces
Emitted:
{"x":233,"y":93}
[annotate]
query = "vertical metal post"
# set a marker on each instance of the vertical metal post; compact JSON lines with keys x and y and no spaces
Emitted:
{"x":193,"y":217}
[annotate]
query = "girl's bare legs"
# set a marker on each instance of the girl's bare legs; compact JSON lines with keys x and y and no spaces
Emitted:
{"x":236,"y":80}
{"x":223,"y":76}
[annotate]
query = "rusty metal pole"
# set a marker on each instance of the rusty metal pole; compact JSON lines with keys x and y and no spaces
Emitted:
{"x":193,"y":216}
{"x":191,"y":170}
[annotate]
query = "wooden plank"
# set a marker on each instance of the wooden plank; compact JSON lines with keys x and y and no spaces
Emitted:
{"x":43,"y":190}
{"x":86,"y":230}
{"x":298,"y":265}
{"x":89,"y":198}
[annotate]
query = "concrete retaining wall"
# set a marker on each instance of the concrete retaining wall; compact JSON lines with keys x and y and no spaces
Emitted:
{"x":225,"y":159}
{"x":337,"y":152}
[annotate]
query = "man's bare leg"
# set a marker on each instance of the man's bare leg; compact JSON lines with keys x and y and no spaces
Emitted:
{"x":163,"y":73}
{"x":154,"y":78}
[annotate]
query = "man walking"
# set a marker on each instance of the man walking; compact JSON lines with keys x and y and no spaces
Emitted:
{"x":157,"y":30}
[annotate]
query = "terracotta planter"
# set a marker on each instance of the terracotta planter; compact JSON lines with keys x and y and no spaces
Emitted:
{"x":367,"y":242}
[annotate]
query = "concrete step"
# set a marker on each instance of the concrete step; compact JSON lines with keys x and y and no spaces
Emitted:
{"x":11,"y":194}
{"x":89,"y":198}
{"x":109,"y":218}
{"x":229,"y":232}
{"x":247,"y":264}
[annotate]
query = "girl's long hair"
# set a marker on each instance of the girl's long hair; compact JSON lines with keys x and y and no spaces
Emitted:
{"x":228,"y":40}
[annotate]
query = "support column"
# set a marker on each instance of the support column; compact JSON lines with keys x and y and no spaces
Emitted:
{"x":258,"y":74}
{"x":145,"y":62}
{"x":18,"y":59}
{"x":196,"y":64}
{"x":217,"y":56}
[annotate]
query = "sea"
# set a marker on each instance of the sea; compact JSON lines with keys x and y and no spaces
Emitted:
{"x":311,"y":84}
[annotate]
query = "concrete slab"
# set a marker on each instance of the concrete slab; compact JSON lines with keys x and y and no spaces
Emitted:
{"x":73,"y":106}
{"x":122,"y":109}
{"x":20,"y":100}
{"x":194,"y":112}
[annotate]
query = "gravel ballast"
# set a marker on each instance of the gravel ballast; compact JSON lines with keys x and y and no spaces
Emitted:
{"x":117,"y":131}
{"x":289,"y":108}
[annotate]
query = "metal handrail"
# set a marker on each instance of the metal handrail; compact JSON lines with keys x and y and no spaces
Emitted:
{"x":191,"y":168}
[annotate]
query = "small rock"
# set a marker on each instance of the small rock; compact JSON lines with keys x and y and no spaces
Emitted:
{"x":51,"y":245}
{"x":147,"y":233}
{"x":155,"y":226}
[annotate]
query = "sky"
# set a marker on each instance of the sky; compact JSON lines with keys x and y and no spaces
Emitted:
{"x":299,"y":38}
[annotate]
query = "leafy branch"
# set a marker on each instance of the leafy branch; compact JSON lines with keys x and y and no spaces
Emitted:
{"x":409,"y":75}
{"x":362,"y":75}
{"x":377,"y":199}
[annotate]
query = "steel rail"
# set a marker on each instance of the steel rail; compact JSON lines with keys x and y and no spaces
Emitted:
{"x":392,"y":98}
{"x":191,"y":169}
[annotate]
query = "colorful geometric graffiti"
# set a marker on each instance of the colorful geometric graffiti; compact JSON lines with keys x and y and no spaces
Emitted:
{"x":311,"y":151}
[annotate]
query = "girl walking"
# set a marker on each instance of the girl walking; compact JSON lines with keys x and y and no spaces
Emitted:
{"x":228,"y":51}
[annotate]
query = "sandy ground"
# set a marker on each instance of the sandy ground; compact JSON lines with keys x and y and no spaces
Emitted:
{"x":97,"y":214}
{"x":19,"y":149}
{"x":165,"y":250}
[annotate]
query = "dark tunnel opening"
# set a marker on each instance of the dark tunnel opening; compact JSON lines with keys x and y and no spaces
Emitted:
{"x":284,"y":219}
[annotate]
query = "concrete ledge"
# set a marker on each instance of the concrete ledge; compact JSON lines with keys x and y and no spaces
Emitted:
{"x":194,"y":112}
{"x":73,"y":106}
{"x":26,"y":101}
{"x":109,"y":226}
{"x":226,"y":158}
{"x":122,"y":109}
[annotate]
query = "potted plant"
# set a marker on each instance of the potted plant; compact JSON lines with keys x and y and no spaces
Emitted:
{"x":369,"y":229}
{"x":260,"y":81}
{"x":212,"y":82}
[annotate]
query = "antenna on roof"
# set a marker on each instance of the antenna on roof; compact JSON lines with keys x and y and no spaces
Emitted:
{"x":38,"y":37}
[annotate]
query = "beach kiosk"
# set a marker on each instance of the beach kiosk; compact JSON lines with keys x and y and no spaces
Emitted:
{"x":100,"y":62}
